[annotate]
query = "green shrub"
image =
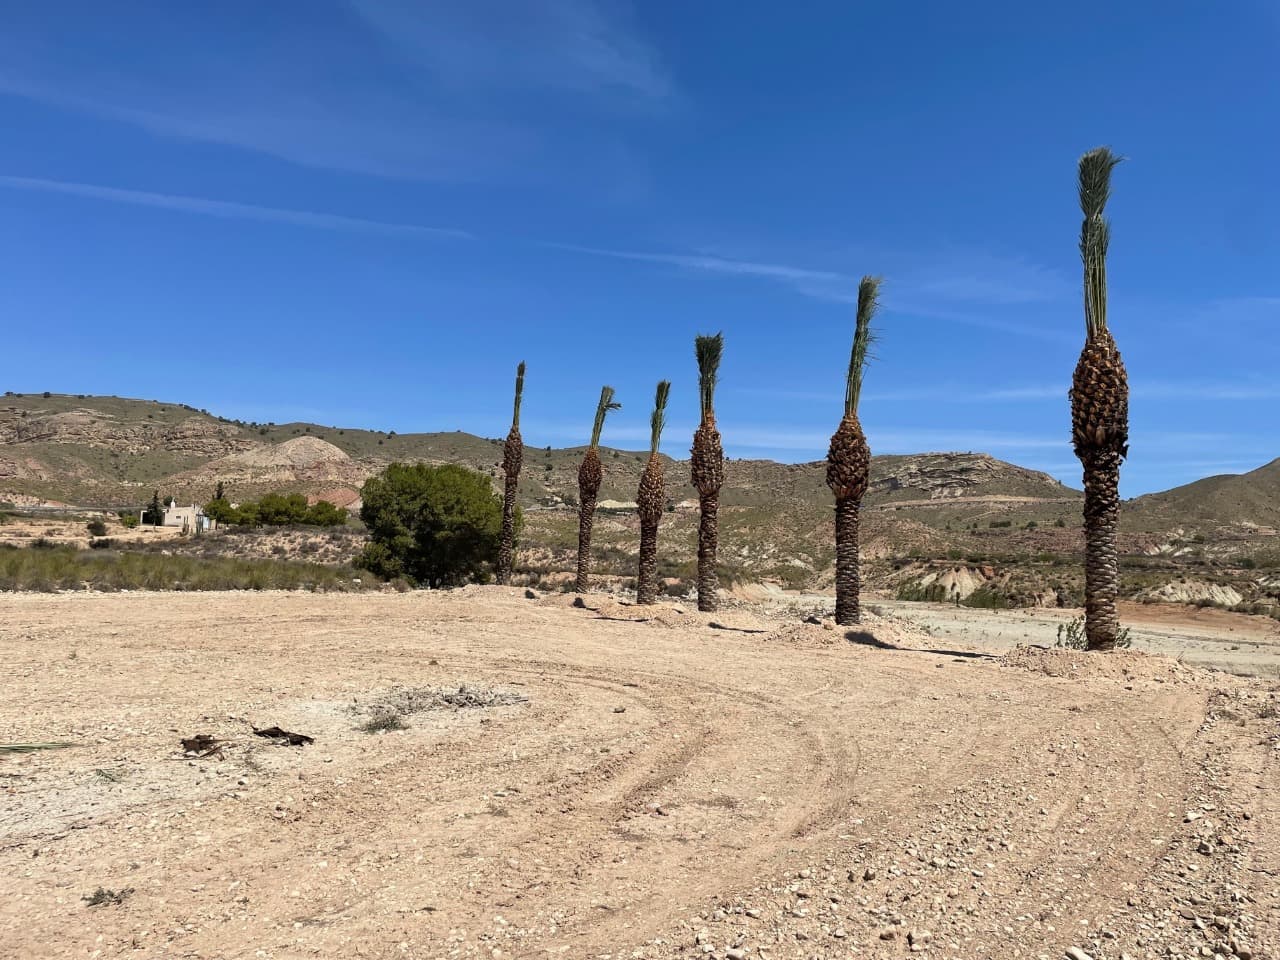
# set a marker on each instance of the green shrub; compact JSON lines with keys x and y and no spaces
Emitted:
{"x":128,"y":519}
{"x":1071,"y":636}
{"x":1000,"y":523}
{"x":932,"y":593}
{"x":96,"y":528}
{"x":431,"y":525}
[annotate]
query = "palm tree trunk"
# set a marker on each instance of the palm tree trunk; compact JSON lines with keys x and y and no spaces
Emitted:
{"x":506,"y":550}
{"x":586,"y":520}
{"x":647,"y":581}
{"x":848,"y":581}
{"x":708,"y":542}
{"x":1101,"y":561}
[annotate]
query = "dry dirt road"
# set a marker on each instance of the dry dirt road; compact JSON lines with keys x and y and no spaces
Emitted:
{"x":1216,"y":639}
{"x":663,"y":789}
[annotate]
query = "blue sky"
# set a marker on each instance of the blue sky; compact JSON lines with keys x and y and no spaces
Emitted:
{"x":364,"y":213}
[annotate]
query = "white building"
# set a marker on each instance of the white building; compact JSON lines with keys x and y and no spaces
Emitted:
{"x":191,"y":519}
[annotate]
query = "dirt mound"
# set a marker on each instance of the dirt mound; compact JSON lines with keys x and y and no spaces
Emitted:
{"x":1121,"y":665}
{"x":298,"y":452}
{"x":1195,"y":591}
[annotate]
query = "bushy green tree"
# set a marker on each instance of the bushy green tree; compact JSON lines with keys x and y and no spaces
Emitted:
{"x":280,"y":509}
{"x":322,"y":513}
{"x":431,"y":525}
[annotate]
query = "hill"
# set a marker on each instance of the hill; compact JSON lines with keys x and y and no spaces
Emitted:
{"x":961,"y":524}
{"x":1246,"y":499}
{"x":111,"y":452}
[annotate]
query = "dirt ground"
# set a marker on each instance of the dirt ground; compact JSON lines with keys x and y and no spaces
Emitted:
{"x":615,"y":782}
{"x":1216,"y":639}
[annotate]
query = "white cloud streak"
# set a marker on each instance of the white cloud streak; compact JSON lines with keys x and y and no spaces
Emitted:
{"x":226,"y":209}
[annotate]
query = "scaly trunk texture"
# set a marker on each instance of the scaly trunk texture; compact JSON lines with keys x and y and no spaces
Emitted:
{"x":848,"y":474}
{"x":848,"y":580}
{"x":708,"y":543}
{"x":707,"y":469}
{"x":1100,"y":435}
{"x":590,"y":475}
{"x":649,"y":501}
{"x":1101,"y":561}
{"x":512,"y":459}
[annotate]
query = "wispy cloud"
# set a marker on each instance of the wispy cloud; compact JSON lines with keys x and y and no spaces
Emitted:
{"x":459,"y":90}
{"x":947,"y":290}
{"x":581,"y":45}
{"x":711,"y":264}
{"x":226,"y":209}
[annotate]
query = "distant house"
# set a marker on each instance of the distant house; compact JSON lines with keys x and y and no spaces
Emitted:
{"x":191,"y":519}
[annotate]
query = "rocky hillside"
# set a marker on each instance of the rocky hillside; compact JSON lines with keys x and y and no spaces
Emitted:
{"x":936,"y":525}
{"x":111,"y":452}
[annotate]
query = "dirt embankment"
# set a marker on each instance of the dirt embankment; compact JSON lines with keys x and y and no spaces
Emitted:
{"x":615,"y":781}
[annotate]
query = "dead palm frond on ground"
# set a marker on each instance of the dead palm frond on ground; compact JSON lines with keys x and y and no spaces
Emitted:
{"x":1099,"y":409}
{"x":849,"y":461}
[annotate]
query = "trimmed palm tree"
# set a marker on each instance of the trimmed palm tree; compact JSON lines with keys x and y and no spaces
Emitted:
{"x":706,"y":465}
{"x":849,"y":461}
{"x":650,"y":499}
{"x":1099,"y":410}
{"x":512,"y":460}
{"x":590,"y":473}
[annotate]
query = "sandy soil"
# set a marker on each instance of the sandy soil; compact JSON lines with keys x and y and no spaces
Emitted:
{"x":665,"y":788}
{"x":1215,"y":639}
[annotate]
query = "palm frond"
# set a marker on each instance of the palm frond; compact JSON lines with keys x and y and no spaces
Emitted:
{"x":659,"y":418}
{"x":1095,"y":233}
{"x":515,"y":417}
{"x":863,"y":337}
{"x":603,"y":407}
{"x":708,"y":349}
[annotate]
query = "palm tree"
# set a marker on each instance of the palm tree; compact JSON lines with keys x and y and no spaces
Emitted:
{"x":512,"y":460}
{"x":650,"y":500}
{"x":707,"y":467}
{"x":849,"y":461}
{"x":1099,"y":410}
{"x":590,"y":474}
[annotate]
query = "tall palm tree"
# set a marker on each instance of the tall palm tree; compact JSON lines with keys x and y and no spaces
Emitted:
{"x":706,"y":464}
{"x":849,"y":461}
{"x":512,"y":460}
{"x":1099,"y":410}
{"x":650,"y":499}
{"x":590,"y":473}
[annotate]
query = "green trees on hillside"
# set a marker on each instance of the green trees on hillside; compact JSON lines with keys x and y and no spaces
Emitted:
{"x":433,"y":526}
{"x":276,"y":510}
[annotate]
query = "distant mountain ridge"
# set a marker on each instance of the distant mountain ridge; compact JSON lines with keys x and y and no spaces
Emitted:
{"x":108,"y":451}
{"x":112,"y":452}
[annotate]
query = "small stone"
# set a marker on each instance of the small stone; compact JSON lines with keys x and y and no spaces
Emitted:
{"x":1075,"y":953}
{"x":619,"y":709}
{"x":735,"y":953}
{"x":839,"y":933}
{"x":917,"y":937}
{"x":530,"y":595}
{"x":888,"y":934}
{"x":868,"y":874}
{"x":1205,"y":847}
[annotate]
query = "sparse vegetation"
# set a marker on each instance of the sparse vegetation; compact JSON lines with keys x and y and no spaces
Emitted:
{"x":1072,"y":636}
{"x":58,"y":568}
{"x":105,"y":895}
